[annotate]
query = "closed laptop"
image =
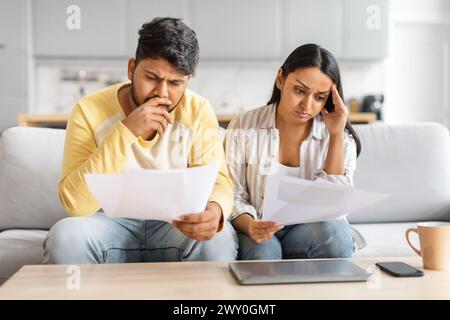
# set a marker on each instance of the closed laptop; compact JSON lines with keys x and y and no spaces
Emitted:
{"x":297,"y":271}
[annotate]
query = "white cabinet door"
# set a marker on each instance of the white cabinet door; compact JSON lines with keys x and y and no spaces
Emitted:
{"x":13,"y":24}
{"x":142,"y":11}
{"x":317,"y":22}
{"x":79,"y":27}
{"x":14,"y":65}
{"x":366,"y":29}
{"x":238,"y":29}
{"x":13,"y":48}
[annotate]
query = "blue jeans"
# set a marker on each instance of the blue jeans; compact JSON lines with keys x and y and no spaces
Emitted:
{"x":99,"y":239}
{"x":327,"y":239}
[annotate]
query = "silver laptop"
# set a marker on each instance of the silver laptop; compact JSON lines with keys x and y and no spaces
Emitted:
{"x":294,"y":271}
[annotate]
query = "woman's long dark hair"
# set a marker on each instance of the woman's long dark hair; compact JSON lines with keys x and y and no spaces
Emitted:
{"x":312,"y":55}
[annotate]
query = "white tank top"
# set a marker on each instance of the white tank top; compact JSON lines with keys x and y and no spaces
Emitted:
{"x":288,"y":171}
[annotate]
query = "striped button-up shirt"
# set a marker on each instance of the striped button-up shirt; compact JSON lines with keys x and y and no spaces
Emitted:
{"x":252,"y":146}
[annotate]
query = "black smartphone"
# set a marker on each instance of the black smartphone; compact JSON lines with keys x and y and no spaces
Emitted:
{"x":400,"y":269}
{"x":329,"y":106}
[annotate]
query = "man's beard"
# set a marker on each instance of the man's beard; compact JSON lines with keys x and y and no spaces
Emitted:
{"x":135,"y":100}
{"x":133,"y":95}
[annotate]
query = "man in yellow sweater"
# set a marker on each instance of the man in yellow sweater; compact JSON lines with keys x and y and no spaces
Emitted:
{"x":153,"y":121}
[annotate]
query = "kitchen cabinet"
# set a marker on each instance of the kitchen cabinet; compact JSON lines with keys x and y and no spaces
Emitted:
{"x":13,"y":48}
{"x":14,"y":60}
{"x":350,"y":29}
{"x":60,"y":120}
{"x":317,"y":22}
{"x":13,"y":25}
{"x":227,"y":30}
{"x":237,"y":29}
{"x":79,"y":27}
{"x":142,"y":11}
{"x":365,"y":29}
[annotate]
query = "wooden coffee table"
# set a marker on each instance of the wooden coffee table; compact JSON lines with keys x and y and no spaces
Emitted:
{"x":209,"y":280}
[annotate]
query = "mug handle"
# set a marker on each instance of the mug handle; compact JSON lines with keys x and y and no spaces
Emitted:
{"x":409,"y":242}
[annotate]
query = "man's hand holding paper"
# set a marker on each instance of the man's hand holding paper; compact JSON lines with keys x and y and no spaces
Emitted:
{"x":178,"y":196}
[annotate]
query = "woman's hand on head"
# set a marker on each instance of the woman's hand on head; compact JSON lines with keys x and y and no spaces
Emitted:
{"x":261,"y":231}
{"x":335,"y":121}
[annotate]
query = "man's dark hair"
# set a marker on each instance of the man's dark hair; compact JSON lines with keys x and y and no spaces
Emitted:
{"x":171,"y":39}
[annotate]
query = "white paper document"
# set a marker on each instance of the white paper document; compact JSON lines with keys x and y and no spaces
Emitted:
{"x":290,"y":200}
{"x":149,"y":194}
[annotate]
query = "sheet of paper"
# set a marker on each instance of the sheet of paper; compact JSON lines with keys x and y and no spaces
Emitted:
{"x":198,"y":185}
{"x":153,"y":194}
{"x":290,"y":200}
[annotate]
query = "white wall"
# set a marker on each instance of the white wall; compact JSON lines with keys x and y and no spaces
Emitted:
{"x":417,"y":70}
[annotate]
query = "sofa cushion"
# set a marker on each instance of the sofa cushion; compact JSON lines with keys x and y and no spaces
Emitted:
{"x":386,"y":239}
{"x":30,"y":166}
{"x":18,"y":248}
{"x":411,"y":162}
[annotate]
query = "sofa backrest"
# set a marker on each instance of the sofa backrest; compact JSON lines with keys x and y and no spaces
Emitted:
{"x":30,"y":165}
{"x":411,"y":162}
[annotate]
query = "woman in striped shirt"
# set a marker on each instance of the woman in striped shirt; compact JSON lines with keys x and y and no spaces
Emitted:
{"x":303,"y":131}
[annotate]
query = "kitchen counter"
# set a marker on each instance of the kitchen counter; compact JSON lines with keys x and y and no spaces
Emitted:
{"x":60,"y":120}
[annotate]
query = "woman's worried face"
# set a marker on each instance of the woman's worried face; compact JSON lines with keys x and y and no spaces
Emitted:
{"x":304,"y":93}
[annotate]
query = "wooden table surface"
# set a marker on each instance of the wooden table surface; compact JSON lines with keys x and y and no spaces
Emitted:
{"x":210,"y":280}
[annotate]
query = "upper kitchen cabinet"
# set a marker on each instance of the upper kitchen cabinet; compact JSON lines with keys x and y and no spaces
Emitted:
{"x":13,"y":29}
{"x":365,"y":29}
{"x":350,"y":29}
{"x":317,"y":22}
{"x":236,"y":29}
{"x":14,"y":48}
{"x":14,"y":61}
{"x":142,"y":11}
{"x":79,"y":28}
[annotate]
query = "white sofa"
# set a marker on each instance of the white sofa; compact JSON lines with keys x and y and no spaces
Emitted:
{"x":410,"y":161}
